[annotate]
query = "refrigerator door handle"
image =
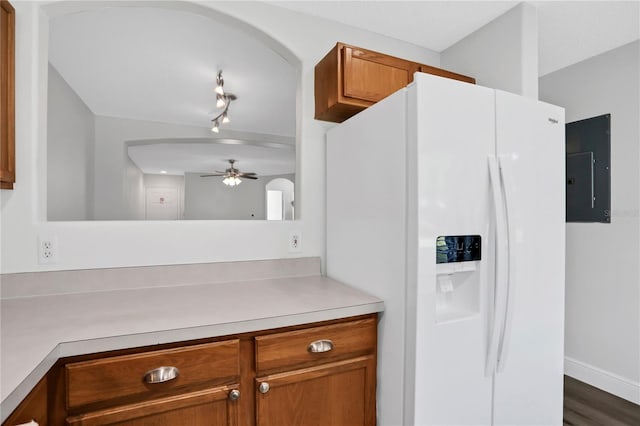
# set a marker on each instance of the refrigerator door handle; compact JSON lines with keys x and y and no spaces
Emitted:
{"x":501,"y":267}
{"x":506,"y":176}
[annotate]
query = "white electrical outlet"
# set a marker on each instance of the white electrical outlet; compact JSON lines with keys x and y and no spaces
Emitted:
{"x":295,"y":242}
{"x":47,"y":250}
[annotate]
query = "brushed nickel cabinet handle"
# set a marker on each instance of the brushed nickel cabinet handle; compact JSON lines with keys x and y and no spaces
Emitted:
{"x":161,"y":375}
{"x":264,"y":387}
{"x":234,"y":395}
{"x":320,"y":346}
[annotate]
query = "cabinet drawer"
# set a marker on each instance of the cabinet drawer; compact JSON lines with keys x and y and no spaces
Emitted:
{"x":120,"y":377}
{"x":292,"y":349}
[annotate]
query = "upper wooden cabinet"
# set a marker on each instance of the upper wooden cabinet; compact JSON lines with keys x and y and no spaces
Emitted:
{"x":349,"y":79}
{"x":7,"y":95}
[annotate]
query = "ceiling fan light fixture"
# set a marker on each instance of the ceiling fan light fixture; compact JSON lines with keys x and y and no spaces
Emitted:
{"x":220,"y":102}
{"x":225,"y":118}
{"x":232,"y":180}
{"x":231,"y":176}
{"x":216,"y":127}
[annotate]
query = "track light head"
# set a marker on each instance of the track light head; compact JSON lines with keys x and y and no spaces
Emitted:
{"x":219,"y":84}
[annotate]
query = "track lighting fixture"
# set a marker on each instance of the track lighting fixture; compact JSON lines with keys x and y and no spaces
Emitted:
{"x":223,"y":100}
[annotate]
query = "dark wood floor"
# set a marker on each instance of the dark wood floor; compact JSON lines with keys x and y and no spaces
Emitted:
{"x":585,"y":405}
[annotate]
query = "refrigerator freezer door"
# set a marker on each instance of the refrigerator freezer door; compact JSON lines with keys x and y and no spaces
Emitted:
{"x":530,"y":145}
{"x":447,"y":155}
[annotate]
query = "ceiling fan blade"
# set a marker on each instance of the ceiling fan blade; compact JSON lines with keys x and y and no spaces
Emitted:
{"x":248,"y":173}
{"x":249,"y":177}
{"x":210,"y":175}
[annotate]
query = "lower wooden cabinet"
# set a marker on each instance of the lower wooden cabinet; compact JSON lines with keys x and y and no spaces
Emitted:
{"x":314,"y":374}
{"x":323,"y":375}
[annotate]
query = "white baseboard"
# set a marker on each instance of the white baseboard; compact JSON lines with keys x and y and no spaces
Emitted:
{"x":608,"y":382}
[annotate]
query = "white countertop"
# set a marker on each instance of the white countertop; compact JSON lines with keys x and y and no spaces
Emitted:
{"x":36,"y":331}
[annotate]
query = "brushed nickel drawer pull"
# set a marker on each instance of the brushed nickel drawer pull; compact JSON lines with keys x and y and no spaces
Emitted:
{"x":161,"y":375}
{"x":319,"y":346}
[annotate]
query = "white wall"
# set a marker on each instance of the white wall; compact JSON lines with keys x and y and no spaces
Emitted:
{"x":503,"y":54}
{"x":603,"y":260}
{"x":70,"y":130}
{"x":302,"y":39}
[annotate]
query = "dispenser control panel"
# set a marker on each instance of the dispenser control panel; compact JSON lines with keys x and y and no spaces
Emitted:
{"x":458,"y":248}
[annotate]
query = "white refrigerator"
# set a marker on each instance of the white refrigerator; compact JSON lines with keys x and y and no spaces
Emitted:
{"x":447,"y":200}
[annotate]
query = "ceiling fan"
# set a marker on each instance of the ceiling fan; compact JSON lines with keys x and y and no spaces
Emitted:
{"x":232,"y":175}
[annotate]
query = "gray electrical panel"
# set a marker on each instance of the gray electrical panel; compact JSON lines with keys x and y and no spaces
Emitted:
{"x":588,"y":145}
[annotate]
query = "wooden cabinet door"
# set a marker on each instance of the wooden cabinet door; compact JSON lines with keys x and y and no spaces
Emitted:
{"x":202,"y":408}
{"x":371,"y":76}
{"x":7,"y":95}
{"x":337,"y":394}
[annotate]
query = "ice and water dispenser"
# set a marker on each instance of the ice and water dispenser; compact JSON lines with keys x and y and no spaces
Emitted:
{"x":458,"y":278}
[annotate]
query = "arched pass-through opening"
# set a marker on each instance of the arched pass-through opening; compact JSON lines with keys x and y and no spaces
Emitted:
{"x":66,"y":9}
